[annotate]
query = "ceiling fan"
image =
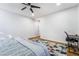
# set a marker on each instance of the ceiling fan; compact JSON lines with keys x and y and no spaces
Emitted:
{"x":30,"y":5}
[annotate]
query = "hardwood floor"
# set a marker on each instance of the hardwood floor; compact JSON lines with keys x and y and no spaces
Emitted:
{"x":71,"y":52}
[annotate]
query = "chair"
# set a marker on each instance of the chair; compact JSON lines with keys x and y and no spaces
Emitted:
{"x":72,"y":41}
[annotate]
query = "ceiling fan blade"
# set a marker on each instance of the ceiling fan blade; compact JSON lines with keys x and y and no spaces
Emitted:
{"x":25,"y":3}
{"x":23,"y":8}
{"x":31,"y":10}
{"x":33,"y":6}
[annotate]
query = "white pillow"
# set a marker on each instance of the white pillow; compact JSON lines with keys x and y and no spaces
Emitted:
{"x":4,"y":36}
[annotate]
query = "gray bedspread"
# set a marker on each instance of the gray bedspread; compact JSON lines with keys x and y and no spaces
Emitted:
{"x":11,"y":47}
{"x":20,"y":47}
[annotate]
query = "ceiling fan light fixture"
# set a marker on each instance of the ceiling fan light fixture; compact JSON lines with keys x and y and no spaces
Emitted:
{"x":58,"y":4}
{"x":33,"y":14}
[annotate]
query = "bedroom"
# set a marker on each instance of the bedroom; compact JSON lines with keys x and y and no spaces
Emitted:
{"x":41,"y":30}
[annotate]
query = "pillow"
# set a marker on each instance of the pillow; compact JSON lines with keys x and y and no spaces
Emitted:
{"x":4,"y":36}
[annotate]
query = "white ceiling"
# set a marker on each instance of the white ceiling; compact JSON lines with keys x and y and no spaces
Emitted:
{"x":46,"y":8}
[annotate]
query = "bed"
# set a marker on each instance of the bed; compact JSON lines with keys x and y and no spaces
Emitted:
{"x":16,"y":46}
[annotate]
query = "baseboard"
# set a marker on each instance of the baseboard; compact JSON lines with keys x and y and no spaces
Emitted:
{"x":35,"y":37}
{"x":38,"y":37}
{"x":57,"y":42}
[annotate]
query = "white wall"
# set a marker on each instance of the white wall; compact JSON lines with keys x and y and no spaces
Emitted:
{"x":52,"y":27}
{"x":78,"y":21}
{"x":16,"y":25}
